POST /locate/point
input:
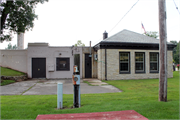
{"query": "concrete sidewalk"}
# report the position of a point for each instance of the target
(49, 87)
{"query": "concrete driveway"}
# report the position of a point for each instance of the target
(49, 87)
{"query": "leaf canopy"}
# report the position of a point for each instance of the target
(18, 17)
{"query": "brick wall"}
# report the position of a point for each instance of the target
(113, 65)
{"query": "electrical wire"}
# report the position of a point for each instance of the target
(124, 16)
(120, 19)
(176, 7)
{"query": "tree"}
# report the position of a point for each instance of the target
(10, 47)
(176, 55)
(17, 16)
(153, 34)
(174, 50)
(79, 43)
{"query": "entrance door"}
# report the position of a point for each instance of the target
(88, 66)
(38, 67)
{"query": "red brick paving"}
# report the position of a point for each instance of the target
(116, 115)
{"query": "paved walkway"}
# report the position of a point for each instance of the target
(49, 87)
(115, 115)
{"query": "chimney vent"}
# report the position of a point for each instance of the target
(105, 35)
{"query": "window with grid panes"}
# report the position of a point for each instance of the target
(139, 62)
(154, 62)
(124, 62)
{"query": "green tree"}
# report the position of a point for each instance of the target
(17, 16)
(176, 56)
(176, 52)
(10, 47)
(79, 43)
(153, 34)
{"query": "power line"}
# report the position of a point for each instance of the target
(176, 7)
(120, 19)
(124, 16)
(97, 41)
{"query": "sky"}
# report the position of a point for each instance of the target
(64, 22)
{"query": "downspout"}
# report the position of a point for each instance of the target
(105, 65)
(90, 48)
(105, 35)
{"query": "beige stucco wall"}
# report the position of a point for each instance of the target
(113, 65)
(51, 53)
(14, 59)
(86, 50)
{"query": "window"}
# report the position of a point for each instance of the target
(140, 62)
(154, 62)
(124, 59)
(62, 64)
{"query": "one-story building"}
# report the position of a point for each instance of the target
(129, 55)
(125, 55)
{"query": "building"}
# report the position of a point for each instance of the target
(129, 55)
(125, 55)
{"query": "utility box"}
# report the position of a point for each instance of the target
(95, 57)
(51, 67)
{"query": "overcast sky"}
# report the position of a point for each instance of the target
(64, 22)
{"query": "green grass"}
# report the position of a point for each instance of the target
(6, 82)
(10, 72)
(138, 95)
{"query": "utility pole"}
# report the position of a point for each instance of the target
(162, 51)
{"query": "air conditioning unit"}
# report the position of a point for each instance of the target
(95, 57)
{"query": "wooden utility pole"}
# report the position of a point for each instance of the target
(162, 51)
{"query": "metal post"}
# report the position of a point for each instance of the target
(59, 95)
(163, 52)
(90, 48)
(76, 86)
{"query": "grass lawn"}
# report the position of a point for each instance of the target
(10, 72)
(6, 82)
(138, 95)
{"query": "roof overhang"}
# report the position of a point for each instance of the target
(129, 45)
